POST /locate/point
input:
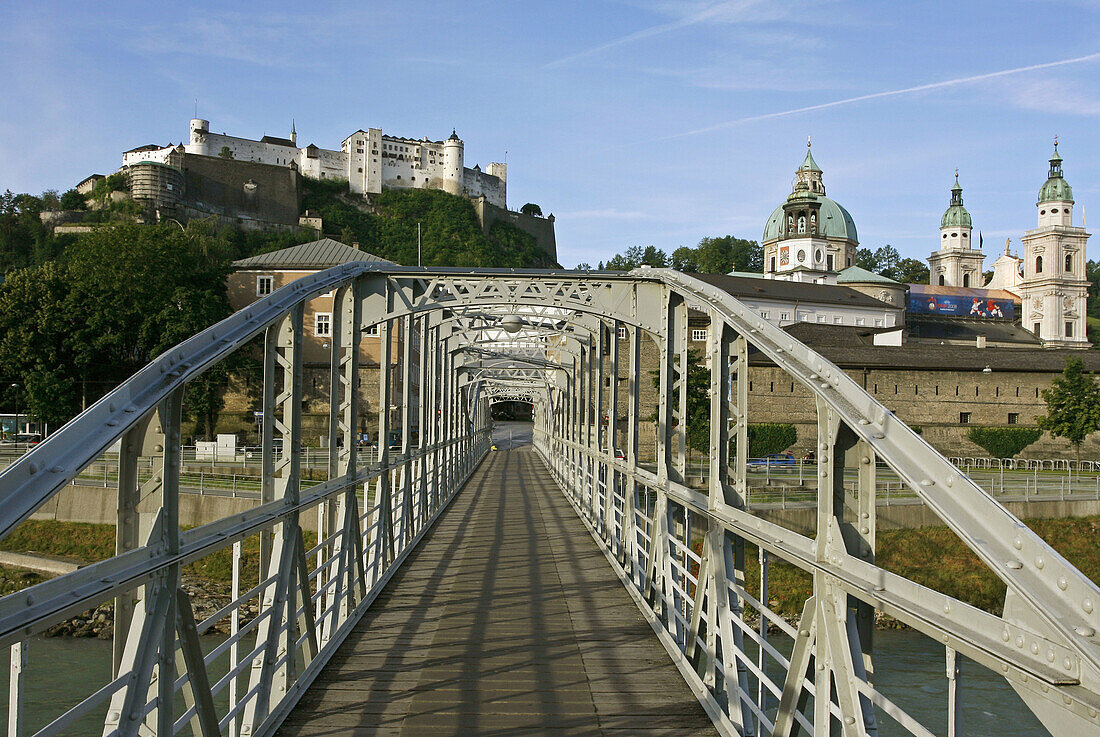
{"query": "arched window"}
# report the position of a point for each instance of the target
(941, 280)
(1038, 264)
(802, 223)
(790, 223)
(813, 222)
(966, 280)
(1069, 264)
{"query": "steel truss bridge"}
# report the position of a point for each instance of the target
(571, 343)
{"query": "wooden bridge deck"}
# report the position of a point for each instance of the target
(507, 620)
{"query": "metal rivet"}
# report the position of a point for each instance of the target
(1084, 630)
(1014, 565)
(1019, 640)
(1017, 543)
(1062, 583)
(1087, 606)
(1039, 562)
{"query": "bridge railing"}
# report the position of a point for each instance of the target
(682, 552)
(305, 562)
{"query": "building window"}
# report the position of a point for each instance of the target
(264, 285)
(1036, 331)
(1069, 329)
(1038, 264)
(622, 333)
(941, 280)
(1014, 418)
(1069, 264)
(698, 334)
(372, 330)
(821, 318)
(837, 320)
(964, 418)
(966, 280)
(878, 323)
(322, 324)
(830, 261)
(860, 321)
(764, 315)
(784, 316)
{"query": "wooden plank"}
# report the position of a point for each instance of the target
(506, 619)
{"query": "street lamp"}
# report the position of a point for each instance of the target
(16, 387)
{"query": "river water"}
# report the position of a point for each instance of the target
(909, 671)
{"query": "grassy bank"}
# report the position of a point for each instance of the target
(931, 556)
(85, 542)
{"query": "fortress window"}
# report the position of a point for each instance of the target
(1014, 418)
(264, 285)
(964, 418)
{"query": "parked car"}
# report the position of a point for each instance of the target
(775, 460)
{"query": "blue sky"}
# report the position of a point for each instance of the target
(634, 122)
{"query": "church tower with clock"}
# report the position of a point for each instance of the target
(1054, 289)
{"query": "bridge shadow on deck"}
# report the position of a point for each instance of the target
(507, 620)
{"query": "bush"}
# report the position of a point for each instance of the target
(771, 437)
(1003, 442)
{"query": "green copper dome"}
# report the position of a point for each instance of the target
(835, 222)
(1055, 188)
(956, 215)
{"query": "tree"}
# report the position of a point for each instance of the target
(531, 209)
(1003, 442)
(697, 432)
(73, 200)
(771, 437)
(583, 266)
(865, 259)
(225, 153)
(1073, 406)
(910, 271)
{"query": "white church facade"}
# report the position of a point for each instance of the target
(367, 159)
(810, 238)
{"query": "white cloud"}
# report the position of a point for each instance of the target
(1054, 96)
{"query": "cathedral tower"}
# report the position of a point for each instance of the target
(809, 237)
(1054, 288)
(957, 263)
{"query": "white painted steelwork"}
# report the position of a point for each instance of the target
(565, 357)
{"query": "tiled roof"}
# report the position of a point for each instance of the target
(857, 275)
(322, 254)
(790, 291)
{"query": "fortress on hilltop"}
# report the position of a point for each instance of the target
(367, 159)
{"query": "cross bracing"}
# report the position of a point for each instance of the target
(468, 339)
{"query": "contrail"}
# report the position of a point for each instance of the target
(691, 20)
(888, 93)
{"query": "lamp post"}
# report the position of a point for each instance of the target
(16, 388)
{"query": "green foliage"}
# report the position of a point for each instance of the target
(531, 209)
(910, 271)
(719, 256)
(1073, 405)
(450, 232)
(636, 256)
(72, 200)
(698, 402)
(119, 297)
(225, 153)
(1003, 442)
(771, 437)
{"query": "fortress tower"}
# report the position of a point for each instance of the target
(453, 166)
(1054, 289)
(957, 263)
